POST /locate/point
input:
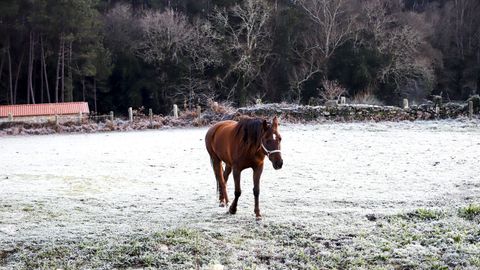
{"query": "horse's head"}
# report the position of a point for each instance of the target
(271, 140)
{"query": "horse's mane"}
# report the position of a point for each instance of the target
(250, 130)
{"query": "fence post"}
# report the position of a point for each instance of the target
(199, 111)
(405, 103)
(10, 117)
(130, 114)
(56, 119)
(343, 100)
(437, 100)
(150, 115)
(175, 110)
(111, 116)
(470, 109)
(80, 116)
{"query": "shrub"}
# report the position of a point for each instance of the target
(366, 97)
(331, 90)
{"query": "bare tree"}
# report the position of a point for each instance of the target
(194, 89)
(331, 25)
(59, 57)
(170, 40)
(44, 69)
(10, 80)
(2, 53)
(267, 80)
(17, 77)
(458, 36)
(332, 90)
(168, 37)
(31, 59)
(248, 39)
(464, 16)
(402, 37)
(122, 29)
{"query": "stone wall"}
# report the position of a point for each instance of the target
(350, 112)
(45, 118)
(288, 112)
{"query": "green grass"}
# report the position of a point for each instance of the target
(470, 212)
(27, 209)
(417, 239)
(424, 214)
(169, 248)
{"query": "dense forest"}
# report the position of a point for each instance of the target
(153, 53)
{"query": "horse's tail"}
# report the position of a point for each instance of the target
(218, 184)
(208, 140)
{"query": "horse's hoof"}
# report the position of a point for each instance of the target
(258, 217)
(232, 211)
(221, 204)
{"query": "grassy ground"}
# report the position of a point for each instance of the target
(351, 196)
(421, 239)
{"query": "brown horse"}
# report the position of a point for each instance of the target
(240, 145)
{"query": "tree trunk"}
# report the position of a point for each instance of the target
(10, 74)
(34, 71)
(83, 88)
(44, 74)
(41, 81)
(1, 69)
(63, 69)
(57, 78)
(17, 77)
(95, 93)
(70, 73)
(30, 70)
(29, 75)
(242, 93)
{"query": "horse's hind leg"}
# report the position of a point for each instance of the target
(226, 173)
(222, 188)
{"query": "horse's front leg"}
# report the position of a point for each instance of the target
(238, 190)
(257, 172)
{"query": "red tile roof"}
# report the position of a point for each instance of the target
(44, 109)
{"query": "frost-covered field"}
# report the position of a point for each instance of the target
(359, 195)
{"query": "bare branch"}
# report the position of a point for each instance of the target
(248, 40)
(332, 24)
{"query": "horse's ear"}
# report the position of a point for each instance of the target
(275, 123)
(265, 125)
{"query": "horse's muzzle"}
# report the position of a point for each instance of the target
(277, 165)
